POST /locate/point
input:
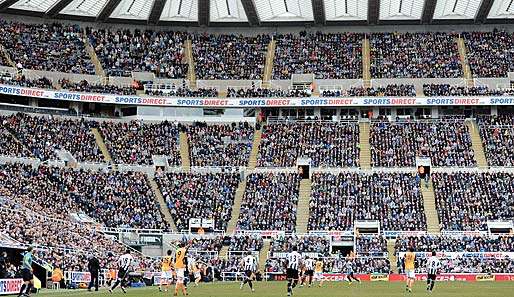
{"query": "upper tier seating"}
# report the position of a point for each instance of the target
(490, 54)
(497, 133)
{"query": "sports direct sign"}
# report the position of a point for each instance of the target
(10, 286)
(254, 102)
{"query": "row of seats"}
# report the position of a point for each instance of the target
(58, 47)
(328, 144)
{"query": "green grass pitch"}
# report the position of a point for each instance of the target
(335, 289)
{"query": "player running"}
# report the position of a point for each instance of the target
(410, 257)
(294, 260)
(250, 266)
(318, 272)
(180, 269)
(27, 273)
(349, 271)
(166, 273)
(309, 270)
(124, 265)
(433, 266)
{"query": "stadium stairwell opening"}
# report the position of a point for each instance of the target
(430, 208)
(236, 207)
(162, 203)
(302, 216)
(184, 151)
(477, 143)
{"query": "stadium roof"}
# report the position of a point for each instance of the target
(267, 12)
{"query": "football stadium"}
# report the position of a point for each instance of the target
(262, 148)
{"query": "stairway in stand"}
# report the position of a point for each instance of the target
(162, 204)
(263, 254)
(236, 208)
(303, 211)
(430, 207)
(365, 153)
(268, 67)
(191, 73)
(252, 162)
(366, 63)
(101, 144)
(476, 143)
(468, 75)
(5, 53)
(99, 70)
(392, 255)
(184, 151)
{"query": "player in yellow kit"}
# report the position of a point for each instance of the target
(318, 272)
(166, 275)
(410, 257)
(180, 269)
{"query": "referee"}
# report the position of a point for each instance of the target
(433, 266)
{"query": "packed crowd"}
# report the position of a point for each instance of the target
(114, 199)
(22, 81)
(497, 133)
(266, 193)
(448, 243)
(255, 92)
(183, 91)
(389, 90)
(136, 142)
(59, 243)
(392, 198)
(246, 243)
(8, 144)
(397, 144)
(51, 47)
(220, 144)
(370, 245)
(326, 55)
(230, 56)
(466, 201)
(418, 55)
(452, 90)
(326, 144)
(490, 54)
(196, 195)
(124, 51)
(86, 87)
(470, 265)
(44, 135)
(360, 265)
(305, 244)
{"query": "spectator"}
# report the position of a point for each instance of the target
(326, 144)
(389, 90)
(414, 55)
(265, 193)
(449, 90)
(85, 87)
(326, 55)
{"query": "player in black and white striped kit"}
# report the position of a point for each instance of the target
(294, 260)
(433, 266)
(309, 271)
(124, 264)
(250, 266)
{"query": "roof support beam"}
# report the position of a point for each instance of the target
(373, 11)
(318, 7)
(428, 11)
(4, 5)
(483, 11)
(155, 14)
(54, 10)
(251, 12)
(107, 10)
(204, 12)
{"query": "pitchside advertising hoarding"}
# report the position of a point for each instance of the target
(10, 286)
(379, 277)
(254, 102)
